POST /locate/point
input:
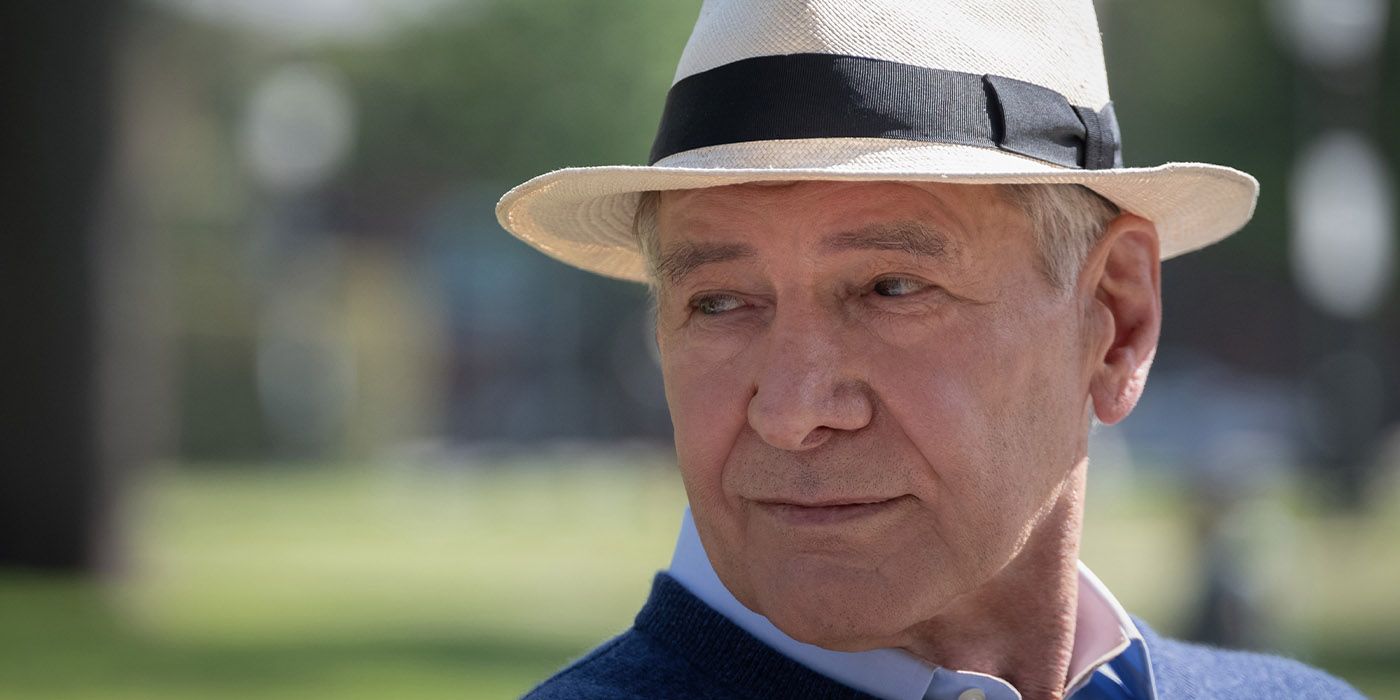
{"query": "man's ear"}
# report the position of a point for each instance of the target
(1121, 283)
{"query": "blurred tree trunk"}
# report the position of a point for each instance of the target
(56, 69)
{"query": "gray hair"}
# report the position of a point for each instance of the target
(1068, 221)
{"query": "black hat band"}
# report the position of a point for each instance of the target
(806, 96)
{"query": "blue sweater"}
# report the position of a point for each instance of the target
(681, 648)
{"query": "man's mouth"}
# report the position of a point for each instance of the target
(827, 512)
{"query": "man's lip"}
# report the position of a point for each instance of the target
(825, 503)
(827, 512)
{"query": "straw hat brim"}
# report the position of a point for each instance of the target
(584, 216)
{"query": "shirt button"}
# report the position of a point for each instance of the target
(972, 694)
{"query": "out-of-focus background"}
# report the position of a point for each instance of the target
(286, 415)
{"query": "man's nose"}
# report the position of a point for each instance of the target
(807, 388)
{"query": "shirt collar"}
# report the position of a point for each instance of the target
(1103, 631)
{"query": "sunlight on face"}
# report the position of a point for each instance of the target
(875, 394)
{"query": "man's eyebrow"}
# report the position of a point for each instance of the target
(910, 237)
(675, 264)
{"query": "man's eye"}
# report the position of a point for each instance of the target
(897, 286)
(716, 304)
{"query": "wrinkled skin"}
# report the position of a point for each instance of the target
(881, 406)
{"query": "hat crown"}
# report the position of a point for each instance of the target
(1051, 43)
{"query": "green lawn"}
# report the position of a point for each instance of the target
(299, 582)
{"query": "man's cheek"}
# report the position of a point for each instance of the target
(709, 421)
(709, 398)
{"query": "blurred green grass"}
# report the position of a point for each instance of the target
(311, 581)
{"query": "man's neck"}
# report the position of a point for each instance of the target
(1019, 625)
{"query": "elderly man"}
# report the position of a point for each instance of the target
(899, 270)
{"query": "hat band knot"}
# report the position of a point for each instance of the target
(803, 96)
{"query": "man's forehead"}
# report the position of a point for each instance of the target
(956, 205)
(934, 220)
(930, 222)
(907, 236)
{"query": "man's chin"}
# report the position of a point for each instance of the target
(841, 616)
(837, 630)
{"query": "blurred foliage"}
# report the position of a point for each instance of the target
(1207, 82)
(448, 113)
(508, 90)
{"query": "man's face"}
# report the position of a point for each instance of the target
(876, 394)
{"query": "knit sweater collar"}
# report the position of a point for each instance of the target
(675, 618)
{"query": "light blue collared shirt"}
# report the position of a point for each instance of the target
(1109, 660)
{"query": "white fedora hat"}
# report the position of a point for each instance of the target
(959, 91)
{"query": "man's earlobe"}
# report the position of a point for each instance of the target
(1124, 269)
